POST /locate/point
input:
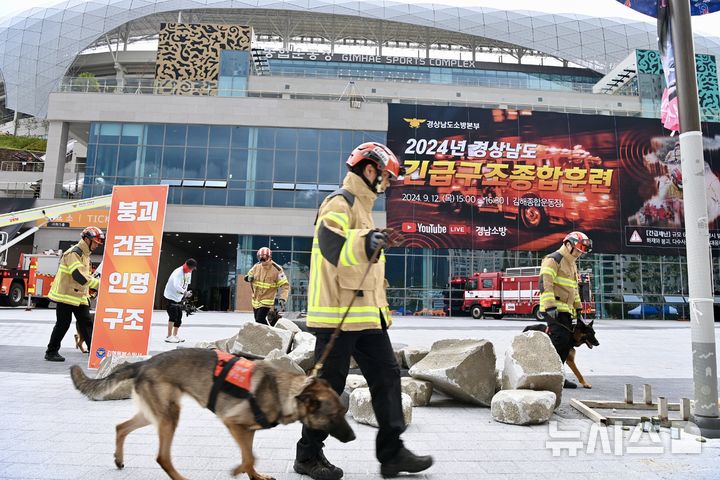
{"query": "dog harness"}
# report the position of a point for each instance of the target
(232, 375)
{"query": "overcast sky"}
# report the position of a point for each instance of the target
(604, 8)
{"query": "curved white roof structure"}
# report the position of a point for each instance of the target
(38, 46)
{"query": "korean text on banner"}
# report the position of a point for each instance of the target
(127, 288)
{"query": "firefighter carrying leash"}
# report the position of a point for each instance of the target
(394, 239)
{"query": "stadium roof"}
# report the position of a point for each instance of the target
(38, 46)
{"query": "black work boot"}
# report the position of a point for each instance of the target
(405, 461)
(54, 357)
(318, 468)
(569, 384)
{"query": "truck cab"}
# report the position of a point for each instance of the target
(483, 295)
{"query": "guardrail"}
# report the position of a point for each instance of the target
(201, 88)
(21, 166)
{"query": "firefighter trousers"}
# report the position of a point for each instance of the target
(261, 314)
(561, 334)
(63, 319)
(373, 352)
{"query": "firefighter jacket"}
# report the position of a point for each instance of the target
(559, 282)
(74, 279)
(267, 280)
(339, 261)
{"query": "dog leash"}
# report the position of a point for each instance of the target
(336, 333)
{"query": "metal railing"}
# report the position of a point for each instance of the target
(199, 88)
(21, 166)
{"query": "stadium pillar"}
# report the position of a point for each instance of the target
(697, 234)
(55, 154)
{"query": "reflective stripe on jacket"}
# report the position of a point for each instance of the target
(559, 282)
(65, 288)
(339, 260)
(267, 280)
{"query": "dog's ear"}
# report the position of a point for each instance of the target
(308, 395)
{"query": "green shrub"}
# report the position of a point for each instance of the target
(34, 144)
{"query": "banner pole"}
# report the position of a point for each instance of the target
(697, 234)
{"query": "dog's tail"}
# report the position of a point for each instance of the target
(540, 327)
(98, 388)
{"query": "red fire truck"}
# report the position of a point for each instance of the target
(514, 292)
(35, 272)
(33, 276)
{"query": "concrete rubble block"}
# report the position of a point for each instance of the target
(112, 363)
(399, 356)
(412, 355)
(522, 407)
(289, 325)
(255, 340)
(419, 391)
(461, 368)
(282, 361)
(303, 350)
(355, 381)
(362, 411)
(531, 363)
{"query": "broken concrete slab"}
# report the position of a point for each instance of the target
(419, 391)
(283, 361)
(461, 368)
(303, 350)
(522, 407)
(412, 355)
(255, 340)
(354, 381)
(532, 363)
(362, 411)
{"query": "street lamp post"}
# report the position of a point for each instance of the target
(697, 234)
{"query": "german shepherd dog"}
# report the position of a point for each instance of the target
(584, 334)
(159, 383)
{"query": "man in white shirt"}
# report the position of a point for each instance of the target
(176, 290)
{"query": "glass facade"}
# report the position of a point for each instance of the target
(222, 164)
(623, 286)
(433, 75)
(284, 167)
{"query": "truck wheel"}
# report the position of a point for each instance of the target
(476, 311)
(16, 294)
(532, 217)
(537, 314)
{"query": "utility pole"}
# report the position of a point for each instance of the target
(697, 234)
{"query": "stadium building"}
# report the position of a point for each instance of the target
(248, 110)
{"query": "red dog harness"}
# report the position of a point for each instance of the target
(233, 375)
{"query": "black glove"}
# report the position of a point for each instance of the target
(282, 304)
(551, 314)
(579, 315)
(373, 241)
(249, 278)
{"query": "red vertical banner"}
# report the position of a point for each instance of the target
(129, 275)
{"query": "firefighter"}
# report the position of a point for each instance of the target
(346, 245)
(560, 297)
(71, 291)
(266, 278)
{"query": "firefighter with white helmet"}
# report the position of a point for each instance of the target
(71, 291)
(347, 274)
(559, 294)
(266, 279)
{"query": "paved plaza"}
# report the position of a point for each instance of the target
(48, 430)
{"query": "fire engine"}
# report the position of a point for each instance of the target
(35, 272)
(514, 292)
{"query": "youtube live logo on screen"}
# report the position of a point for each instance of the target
(414, 227)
